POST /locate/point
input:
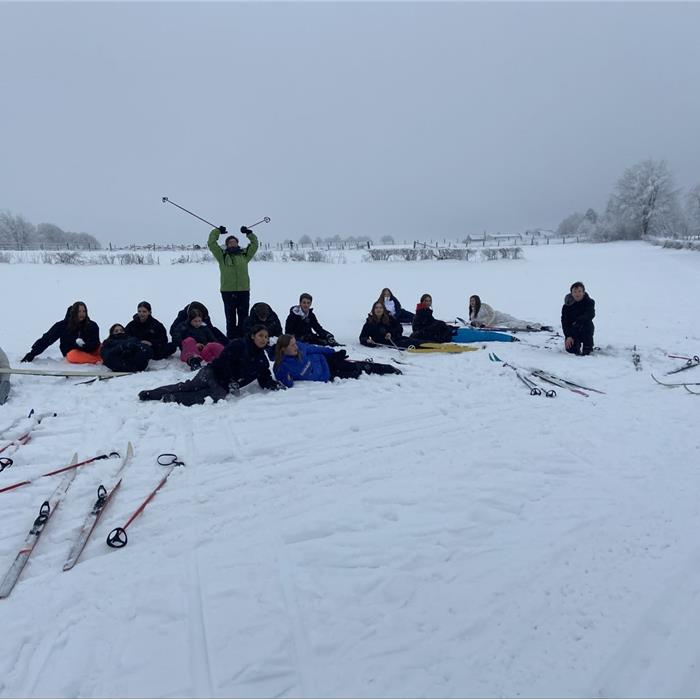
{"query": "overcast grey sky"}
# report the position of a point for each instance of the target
(413, 119)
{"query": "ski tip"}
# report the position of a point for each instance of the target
(129, 450)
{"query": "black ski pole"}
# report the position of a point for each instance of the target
(264, 220)
(191, 213)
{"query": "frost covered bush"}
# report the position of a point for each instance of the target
(316, 256)
(5, 258)
(264, 256)
(203, 257)
(296, 256)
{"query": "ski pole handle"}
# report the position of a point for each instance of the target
(5, 462)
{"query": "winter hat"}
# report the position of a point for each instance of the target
(228, 238)
(145, 305)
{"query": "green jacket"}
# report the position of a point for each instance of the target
(234, 268)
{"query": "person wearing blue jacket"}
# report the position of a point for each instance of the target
(298, 361)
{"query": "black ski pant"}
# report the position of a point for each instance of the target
(160, 352)
(236, 306)
(190, 392)
(352, 369)
(583, 340)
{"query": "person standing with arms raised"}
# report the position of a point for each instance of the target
(235, 281)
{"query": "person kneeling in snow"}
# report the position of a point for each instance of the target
(303, 362)
(242, 361)
(303, 324)
(577, 316)
(124, 353)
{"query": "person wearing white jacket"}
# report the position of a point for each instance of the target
(484, 316)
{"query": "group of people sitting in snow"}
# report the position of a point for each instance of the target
(304, 351)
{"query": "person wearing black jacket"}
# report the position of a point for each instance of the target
(79, 337)
(124, 353)
(303, 324)
(242, 361)
(577, 316)
(381, 329)
(149, 330)
(261, 314)
(182, 318)
(428, 328)
(393, 307)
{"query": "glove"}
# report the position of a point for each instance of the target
(234, 387)
(80, 342)
(341, 354)
(28, 357)
(223, 230)
(276, 386)
(246, 230)
(331, 341)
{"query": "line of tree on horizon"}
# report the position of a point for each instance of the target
(645, 203)
(17, 233)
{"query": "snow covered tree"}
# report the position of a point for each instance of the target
(569, 225)
(692, 211)
(644, 203)
(16, 231)
(387, 240)
(50, 236)
(305, 240)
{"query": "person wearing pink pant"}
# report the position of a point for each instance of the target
(198, 342)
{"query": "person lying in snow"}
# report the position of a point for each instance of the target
(429, 329)
(151, 331)
(242, 361)
(303, 324)
(577, 316)
(79, 337)
(298, 361)
(198, 341)
(484, 316)
(124, 353)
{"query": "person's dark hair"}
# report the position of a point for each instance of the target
(261, 306)
(73, 321)
(193, 313)
(424, 297)
(305, 295)
(280, 346)
(381, 294)
(256, 329)
(473, 313)
(384, 320)
(230, 238)
(114, 325)
(577, 284)
(145, 305)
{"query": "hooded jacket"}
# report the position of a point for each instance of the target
(577, 316)
(124, 353)
(233, 268)
(271, 322)
(304, 327)
(181, 318)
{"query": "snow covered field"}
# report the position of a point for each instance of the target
(441, 533)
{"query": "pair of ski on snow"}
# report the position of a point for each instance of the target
(690, 362)
(117, 538)
(528, 376)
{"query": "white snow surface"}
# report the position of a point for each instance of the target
(441, 533)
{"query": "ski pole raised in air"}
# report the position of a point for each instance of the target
(117, 538)
(264, 220)
(191, 213)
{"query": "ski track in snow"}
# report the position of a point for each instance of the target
(440, 533)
